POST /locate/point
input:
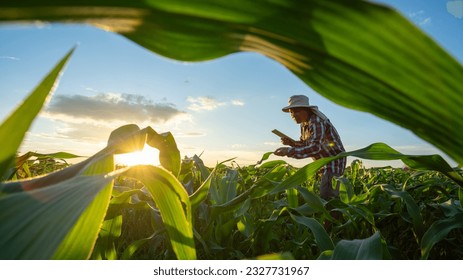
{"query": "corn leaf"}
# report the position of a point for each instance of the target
(109, 232)
(134, 246)
(376, 151)
(322, 238)
(174, 204)
(13, 129)
(438, 231)
(77, 245)
(412, 208)
(276, 256)
(358, 54)
(66, 203)
(34, 223)
(369, 248)
(169, 155)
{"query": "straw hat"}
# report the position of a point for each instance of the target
(297, 101)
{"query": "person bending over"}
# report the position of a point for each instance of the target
(319, 139)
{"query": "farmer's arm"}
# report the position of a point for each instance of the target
(312, 146)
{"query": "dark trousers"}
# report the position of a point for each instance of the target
(326, 186)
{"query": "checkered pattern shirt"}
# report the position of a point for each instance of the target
(320, 139)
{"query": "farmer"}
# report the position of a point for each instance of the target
(318, 139)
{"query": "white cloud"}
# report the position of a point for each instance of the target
(237, 102)
(455, 8)
(272, 144)
(206, 103)
(419, 17)
(110, 107)
(9, 57)
(92, 118)
(190, 134)
(203, 103)
(238, 146)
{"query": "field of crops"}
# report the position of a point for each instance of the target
(239, 212)
(392, 212)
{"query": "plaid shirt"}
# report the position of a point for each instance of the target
(320, 139)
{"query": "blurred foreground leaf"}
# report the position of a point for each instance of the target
(361, 55)
(13, 129)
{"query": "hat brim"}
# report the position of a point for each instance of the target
(286, 109)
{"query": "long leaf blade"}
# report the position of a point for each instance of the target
(173, 203)
(322, 238)
(376, 151)
(13, 129)
(35, 223)
(438, 231)
(379, 67)
(359, 249)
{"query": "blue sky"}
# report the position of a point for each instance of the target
(222, 108)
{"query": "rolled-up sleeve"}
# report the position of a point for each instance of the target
(313, 144)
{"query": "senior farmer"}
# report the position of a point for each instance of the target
(319, 139)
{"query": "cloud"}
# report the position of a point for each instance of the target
(238, 146)
(455, 8)
(111, 107)
(420, 18)
(206, 103)
(189, 134)
(9, 57)
(85, 131)
(272, 144)
(203, 103)
(237, 102)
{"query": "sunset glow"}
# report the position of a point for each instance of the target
(148, 155)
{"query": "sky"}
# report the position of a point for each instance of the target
(221, 109)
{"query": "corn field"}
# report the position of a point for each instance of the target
(183, 209)
(386, 213)
(235, 212)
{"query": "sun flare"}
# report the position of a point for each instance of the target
(148, 155)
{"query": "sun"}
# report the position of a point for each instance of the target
(148, 155)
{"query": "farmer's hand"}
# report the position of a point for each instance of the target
(287, 141)
(283, 151)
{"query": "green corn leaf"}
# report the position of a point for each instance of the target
(370, 248)
(21, 160)
(169, 155)
(66, 203)
(173, 203)
(276, 256)
(13, 129)
(385, 65)
(312, 199)
(376, 151)
(35, 223)
(105, 248)
(134, 246)
(438, 231)
(202, 168)
(322, 238)
(77, 245)
(127, 138)
(201, 193)
(412, 208)
(291, 197)
(265, 157)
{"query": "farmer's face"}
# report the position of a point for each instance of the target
(299, 115)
